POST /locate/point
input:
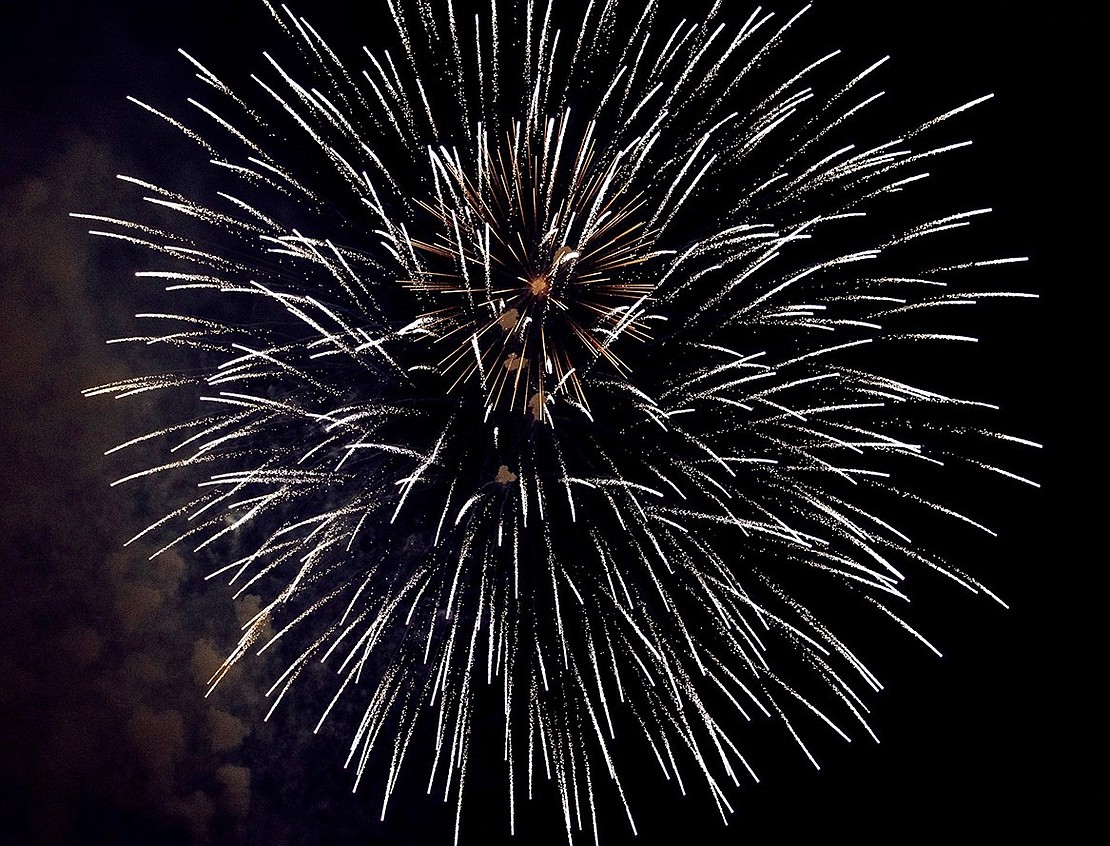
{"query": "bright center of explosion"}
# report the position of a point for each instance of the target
(540, 286)
(536, 252)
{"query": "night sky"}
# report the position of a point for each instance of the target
(105, 736)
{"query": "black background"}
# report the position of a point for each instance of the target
(100, 652)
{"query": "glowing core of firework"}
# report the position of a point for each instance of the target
(544, 244)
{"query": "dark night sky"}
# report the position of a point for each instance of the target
(104, 734)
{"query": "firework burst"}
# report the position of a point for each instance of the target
(539, 374)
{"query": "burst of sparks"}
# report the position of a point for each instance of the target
(526, 430)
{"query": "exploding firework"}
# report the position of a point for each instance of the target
(542, 374)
